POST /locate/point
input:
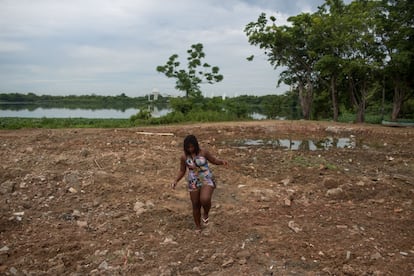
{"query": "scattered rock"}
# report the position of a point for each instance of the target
(360, 183)
(243, 254)
(82, 224)
(294, 227)
(334, 192)
(348, 255)
(376, 256)
(103, 266)
(285, 181)
(71, 179)
(332, 129)
(13, 271)
(76, 214)
(228, 263)
(7, 187)
(348, 270)
(139, 208)
(287, 202)
(168, 240)
(84, 153)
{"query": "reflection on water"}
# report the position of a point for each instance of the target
(288, 144)
(79, 113)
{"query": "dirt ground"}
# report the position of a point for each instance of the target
(298, 198)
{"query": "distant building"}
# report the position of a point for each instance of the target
(153, 96)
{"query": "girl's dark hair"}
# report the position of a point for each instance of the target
(191, 140)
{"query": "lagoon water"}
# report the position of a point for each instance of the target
(89, 113)
(77, 113)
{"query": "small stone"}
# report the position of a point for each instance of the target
(243, 254)
(149, 204)
(103, 266)
(82, 224)
(7, 187)
(287, 202)
(4, 249)
(376, 256)
(242, 261)
(403, 253)
(334, 192)
(360, 183)
(342, 226)
(348, 255)
(71, 179)
(139, 208)
(285, 181)
(169, 240)
(13, 270)
(348, 270)
(197, 270)
(72, 190)
(18, 214)
(292, 225)
(84, 152)
(228, 263)
(76, 213)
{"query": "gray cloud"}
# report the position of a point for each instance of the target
(110, 47)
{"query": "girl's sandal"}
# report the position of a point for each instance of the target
(205, 220)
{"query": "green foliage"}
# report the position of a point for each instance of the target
(18, 123)
(143, 114)
(341, 54)
(17, 101)
(189, 80)
(182, 105)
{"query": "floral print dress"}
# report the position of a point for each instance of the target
(199, 173)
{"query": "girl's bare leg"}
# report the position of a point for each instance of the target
(195, 201)
(206, 192)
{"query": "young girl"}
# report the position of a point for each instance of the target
(201, 183)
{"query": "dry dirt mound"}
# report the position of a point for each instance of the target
(299, 198)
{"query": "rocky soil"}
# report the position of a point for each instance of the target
(298, 198)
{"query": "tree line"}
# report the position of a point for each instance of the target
(351, 56)
(18, 101)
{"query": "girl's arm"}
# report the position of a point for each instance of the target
(213, 159)
(181, 172)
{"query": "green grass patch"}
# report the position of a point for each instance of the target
(19, 123)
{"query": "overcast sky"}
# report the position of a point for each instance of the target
(109, 47)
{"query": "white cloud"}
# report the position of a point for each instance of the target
(107, 46)
(10, 46)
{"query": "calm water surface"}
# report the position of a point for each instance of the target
(78, 113)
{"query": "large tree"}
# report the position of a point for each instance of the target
(292, 48)
(189, 80)
(329, 31)
(396, 29)
(362, 55)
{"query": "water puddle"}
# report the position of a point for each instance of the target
(288, 144)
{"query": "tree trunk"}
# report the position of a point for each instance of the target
(334, 99)
(306, 98)
(358, 102)
(361, 112)
(362, 104)
(397, 102)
